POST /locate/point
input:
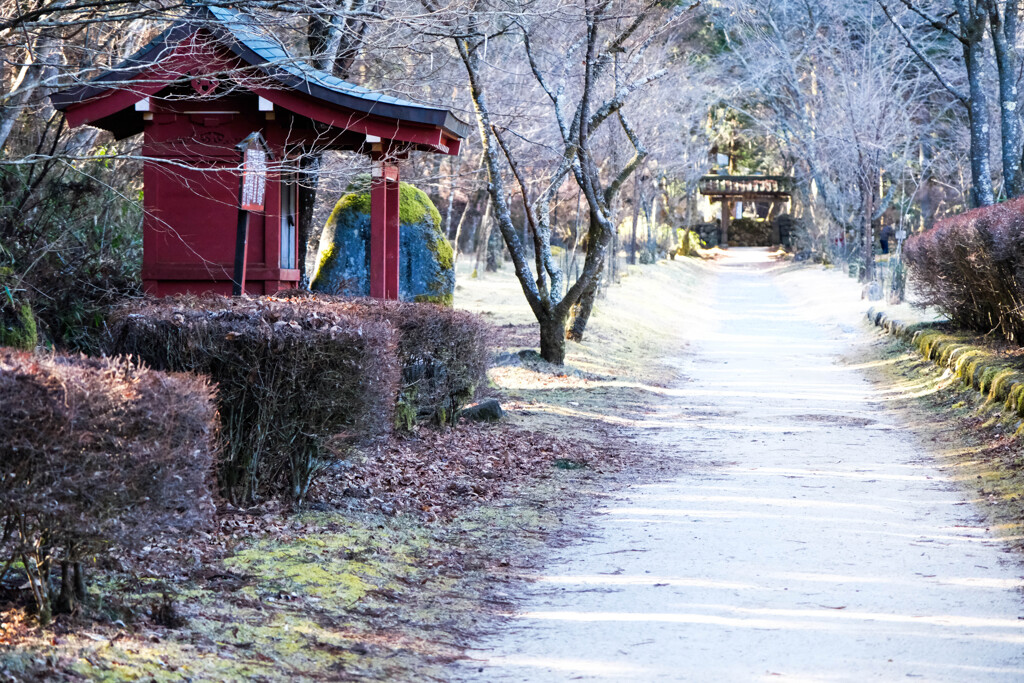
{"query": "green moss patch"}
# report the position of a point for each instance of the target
(998, 376)
(18, 328)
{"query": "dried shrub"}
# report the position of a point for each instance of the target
(443, 353)
(97, 455)
(971, 267)
(299, 380)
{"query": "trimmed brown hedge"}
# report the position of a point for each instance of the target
(299, 381)
(97, 454)
(443, 353)
(971, 267)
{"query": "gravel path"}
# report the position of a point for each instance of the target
(811, 540)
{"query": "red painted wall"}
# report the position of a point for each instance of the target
(191, 198)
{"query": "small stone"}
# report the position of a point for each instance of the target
(488, 410)
(530, 356)
(505, 358)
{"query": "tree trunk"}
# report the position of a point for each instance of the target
(636, 216)
(723, 237)
(482, 234)
(581, 312)
(982, 193)
(67, 600)
(79, 581)
(1004, 41)
(39, 583)
(552, 339)
(309, 181)
(867, 234)
(451, 205)
(494, 247)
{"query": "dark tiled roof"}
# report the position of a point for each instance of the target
(255, 44)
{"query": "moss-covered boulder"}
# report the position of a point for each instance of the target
(18, 326)
(427, 269)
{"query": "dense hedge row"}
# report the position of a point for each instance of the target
(297, 381)
(971, 267)
(96, 454)
(302, 378)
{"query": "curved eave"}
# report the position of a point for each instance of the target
(428, 116)
(128, 70)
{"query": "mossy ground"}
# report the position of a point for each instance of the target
(347, 597)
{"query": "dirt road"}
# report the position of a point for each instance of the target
(811, 539)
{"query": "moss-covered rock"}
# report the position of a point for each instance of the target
(18, 327)
(999, 379)
(426, 259)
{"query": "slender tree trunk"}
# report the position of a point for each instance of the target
(472, 209)
(40, 59)
(483, 233)
(79, 581)
(494, 246)
(1004, 41)
(636, 215)
(39, 583)
(67, 602)
(309, 181)
(867, 234)
(982, 193)
(597, 248)
(451, 204)
(581, 312)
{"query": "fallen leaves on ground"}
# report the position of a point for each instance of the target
(436, 472)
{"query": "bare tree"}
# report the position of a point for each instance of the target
(578, 66)
(972, 24)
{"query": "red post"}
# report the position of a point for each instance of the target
(378, 231)
(393, 232)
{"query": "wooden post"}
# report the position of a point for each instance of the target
(241, 251)
(378, 231)
(723, 237)
(392, 256)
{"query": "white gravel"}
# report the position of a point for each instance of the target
(813, 538)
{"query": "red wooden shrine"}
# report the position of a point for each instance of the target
(205, 84)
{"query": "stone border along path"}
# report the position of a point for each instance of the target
(812, 538)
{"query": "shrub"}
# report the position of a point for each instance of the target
(689, 242)
(971, 267)
(73, 233)
(300, 381)
(95, 455)
(443, 354)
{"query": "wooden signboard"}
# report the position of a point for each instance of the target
(251, 191)
(254, 176)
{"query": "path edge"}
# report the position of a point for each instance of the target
(999, 381)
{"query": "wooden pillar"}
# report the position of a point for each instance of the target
(378, 230)
(723, 237)
(392, 254)
(384, 230)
